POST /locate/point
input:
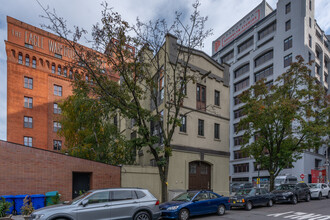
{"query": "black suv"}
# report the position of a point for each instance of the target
(292, 193)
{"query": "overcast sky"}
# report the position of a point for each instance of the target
(222, 15)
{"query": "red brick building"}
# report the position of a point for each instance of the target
(37, 80)
(29, 170)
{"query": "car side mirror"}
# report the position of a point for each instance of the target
(84, 203)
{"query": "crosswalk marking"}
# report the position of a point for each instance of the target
(300, 216)
(279, 214)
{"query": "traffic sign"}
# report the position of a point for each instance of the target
(302, 176)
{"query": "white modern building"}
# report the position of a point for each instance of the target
(262, 45)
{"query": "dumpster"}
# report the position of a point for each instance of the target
(19, 203)
(10, 199)
(50, 197)
(38, 201)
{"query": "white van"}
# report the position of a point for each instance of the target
(285, 179)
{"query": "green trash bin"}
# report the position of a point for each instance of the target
(50, 197)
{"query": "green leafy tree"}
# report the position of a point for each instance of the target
(139, 55)
(285, 119)
(90, 131)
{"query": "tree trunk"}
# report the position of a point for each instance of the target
(164, 190)
(271, 181)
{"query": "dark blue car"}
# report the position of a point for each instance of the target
(194, 203)
(248, 198)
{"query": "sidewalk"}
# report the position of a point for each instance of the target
(17, 217)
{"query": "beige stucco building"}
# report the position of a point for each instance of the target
(200, 156)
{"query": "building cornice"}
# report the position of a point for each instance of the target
(207, 113)
(200, 150)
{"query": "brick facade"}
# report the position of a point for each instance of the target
(47, 50)
(28, 170)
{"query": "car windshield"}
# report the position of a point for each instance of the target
(244, 192)
(314, 186)
(285, 187)
(77, 199)
(279, 181)
(187, 196)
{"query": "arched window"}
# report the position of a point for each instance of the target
(59, 70)
(65, 72)
(41, 62)
(20, 58)
(34, 62)
(27, 60)
(53, 68)
(47, 63)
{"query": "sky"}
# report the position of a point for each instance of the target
(222, 14)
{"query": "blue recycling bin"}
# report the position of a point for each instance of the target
(10, 199)
(38, 201)
(19, 203)
(50, 196)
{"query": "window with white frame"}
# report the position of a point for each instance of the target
(28, 102)
(57, 126)
(57, 145)
(28, 122)
(57, 90)
(57, 109)
(28, 141)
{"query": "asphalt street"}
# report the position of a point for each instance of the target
(313, 210)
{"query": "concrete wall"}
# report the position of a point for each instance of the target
(26, 170)
(143, 177)
(179, 178)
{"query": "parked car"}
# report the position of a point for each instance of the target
(248, 198)
(319, 190)
(265, 186)
(292, 193)
(239, 186)
(286, 179)
(193, 203)
(119, 203)
(234, 187)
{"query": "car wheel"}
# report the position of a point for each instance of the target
(221, 210)
(270, 203)
(308, 197)
(320, 196)
(142, 216)
(328, 195)
(294, 199)
(183, 214)
(248, 206)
